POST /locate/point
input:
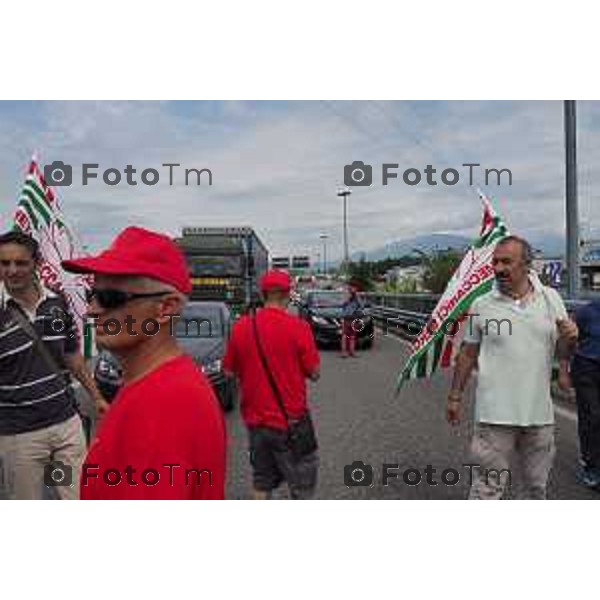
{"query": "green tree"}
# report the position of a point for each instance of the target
(407, 285)
(361, 274)
(439, 268)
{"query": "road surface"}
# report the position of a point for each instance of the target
(358, 417)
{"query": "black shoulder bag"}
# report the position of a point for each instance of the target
(302, 439)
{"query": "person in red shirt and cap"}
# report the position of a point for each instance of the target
(164, 435)
(272, 353)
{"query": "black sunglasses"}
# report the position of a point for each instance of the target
(110, 299)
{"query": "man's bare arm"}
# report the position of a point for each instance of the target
(567, 340)
(465, 363)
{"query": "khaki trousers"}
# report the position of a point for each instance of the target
(492, 448)
(29, 462)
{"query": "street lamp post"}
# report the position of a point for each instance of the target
(324, 237)
(344, 192)
(571, 200)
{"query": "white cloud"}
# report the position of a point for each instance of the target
(276, 165)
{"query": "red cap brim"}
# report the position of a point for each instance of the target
(102, 266)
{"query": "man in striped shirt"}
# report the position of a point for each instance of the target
(41, 437)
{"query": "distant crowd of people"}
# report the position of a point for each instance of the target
(164, 436)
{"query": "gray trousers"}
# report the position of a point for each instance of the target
(25, 460)
(492, 448)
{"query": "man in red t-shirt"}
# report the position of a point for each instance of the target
(163, 436)
(291, 355)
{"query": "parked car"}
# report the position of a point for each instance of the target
(108, 375)
(206, 344)
(202, 331)
(322, 309)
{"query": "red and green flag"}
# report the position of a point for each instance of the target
(39, 214)
(436, 344)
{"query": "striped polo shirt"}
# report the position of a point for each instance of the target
(32, 395)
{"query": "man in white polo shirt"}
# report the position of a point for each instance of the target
(512, 336)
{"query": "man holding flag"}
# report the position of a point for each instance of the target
(514, 409)
(41, 325)
(511, 336)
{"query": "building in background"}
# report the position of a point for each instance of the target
(280, 262)
(551, 270)
(405, 277)
(590, 269)
(300, 263)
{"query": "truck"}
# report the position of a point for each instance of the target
(225, 264)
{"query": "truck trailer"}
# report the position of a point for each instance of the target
(225, 264)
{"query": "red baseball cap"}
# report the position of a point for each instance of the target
(138, 251)
(275, 279)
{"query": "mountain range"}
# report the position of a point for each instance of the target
(550, 245)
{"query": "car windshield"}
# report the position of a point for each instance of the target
(200, 321)
(331, 299)
(215, 266)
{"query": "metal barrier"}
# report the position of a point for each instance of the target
(405, 323)
(420, 306)
(419, 303)
(408, 324)
(386, 311)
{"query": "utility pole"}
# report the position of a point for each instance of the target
(324, 237)
(571, 199)
(344, 192)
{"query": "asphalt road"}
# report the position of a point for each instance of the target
(358, 417)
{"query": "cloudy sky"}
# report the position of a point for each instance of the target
(276, 166)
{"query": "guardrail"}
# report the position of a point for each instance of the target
(405, 323)
(419, 303)
(409, 323)
(425, 303)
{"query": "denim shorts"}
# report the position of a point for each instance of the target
(272, 463)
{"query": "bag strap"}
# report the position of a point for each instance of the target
(551, 310)
(38, 344)
(270, 377)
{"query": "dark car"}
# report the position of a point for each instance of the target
(202, 331)
(108, 375)
(323, 310)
